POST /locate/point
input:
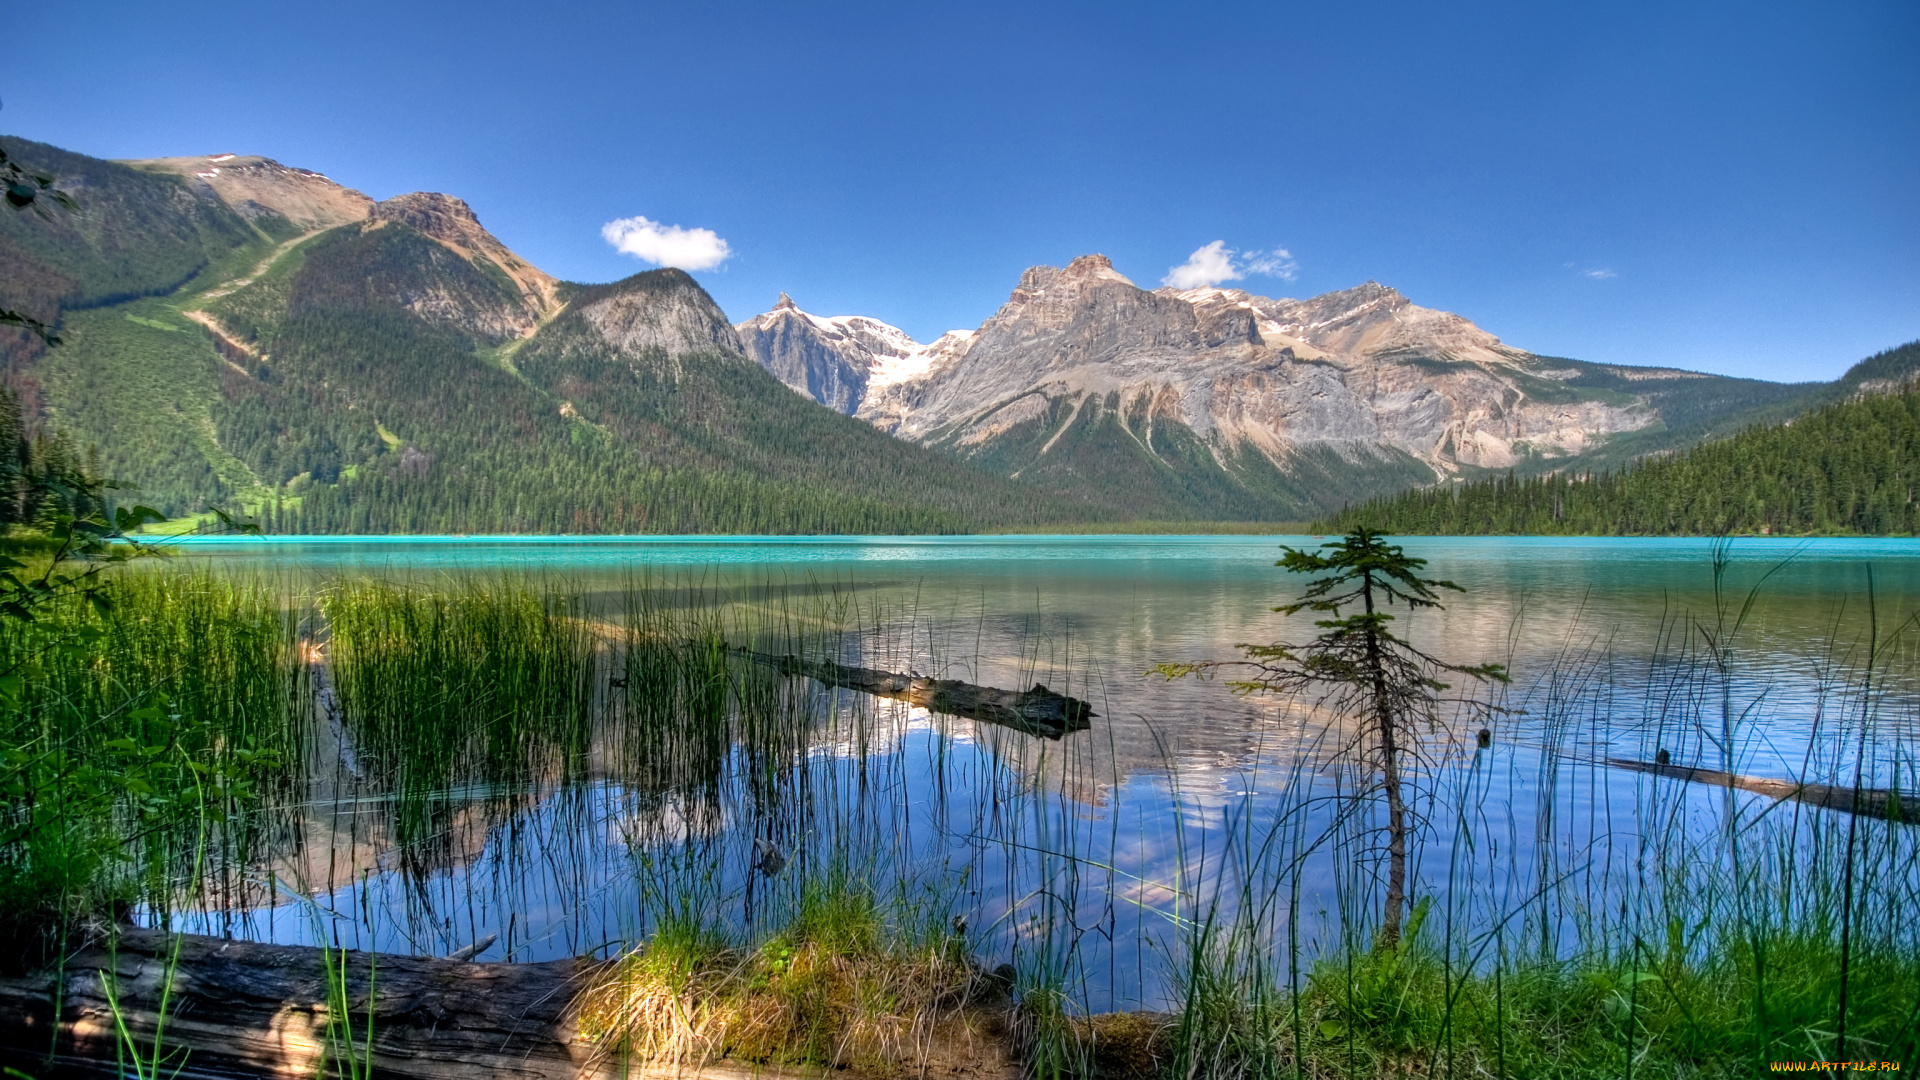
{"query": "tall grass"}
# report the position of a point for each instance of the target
(486, 683)
(126, 732)
(1644, 928)
(612, 765)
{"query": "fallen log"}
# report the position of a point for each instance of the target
(1870, 802)
(1038, 711)
(236, 1010)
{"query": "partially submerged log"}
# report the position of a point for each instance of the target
(1871, 802)
(1038, 711)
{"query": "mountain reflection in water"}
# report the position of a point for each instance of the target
(1115, 830)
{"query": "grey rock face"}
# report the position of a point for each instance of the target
(828, 360)
(660, 312)
(461, 275)
(1362, 370)
(452, 223)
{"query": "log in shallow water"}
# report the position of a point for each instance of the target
(1871, 802)
(1038, 711)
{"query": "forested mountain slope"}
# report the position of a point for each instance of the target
(403, 371)
(1851, 467)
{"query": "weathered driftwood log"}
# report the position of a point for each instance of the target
(236, 1009)
(1038, 711)
(1872, 802)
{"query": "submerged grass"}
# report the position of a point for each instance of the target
(1680, 931)
(439, 689)
(487, 677)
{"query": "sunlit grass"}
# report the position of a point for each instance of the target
(129, 732)
(837, 984)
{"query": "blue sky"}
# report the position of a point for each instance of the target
(1728, 187)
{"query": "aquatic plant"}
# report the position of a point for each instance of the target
(123, 728)
(616, 762)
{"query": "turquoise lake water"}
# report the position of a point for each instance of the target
(1098, 611)
(1602, 636)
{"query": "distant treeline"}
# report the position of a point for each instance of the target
(1849, 469)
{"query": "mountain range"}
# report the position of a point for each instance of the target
(244, 334)
(1203, 401)
(241, 333)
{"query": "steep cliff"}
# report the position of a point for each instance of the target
(836, 362)
(1224, 398)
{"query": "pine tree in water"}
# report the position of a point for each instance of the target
(1358, 669)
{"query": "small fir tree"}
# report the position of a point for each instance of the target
(1358, 668)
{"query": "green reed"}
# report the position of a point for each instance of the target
(487, 682)
(1560, 930)
(1685, 933)
(129, 727)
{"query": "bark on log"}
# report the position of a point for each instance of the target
(1038, 711)
(1871, 802)
(237, 1009)
(242, 1010)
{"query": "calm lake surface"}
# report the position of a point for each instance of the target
(1605, 640)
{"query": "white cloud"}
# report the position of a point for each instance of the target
(1214, 263)
(1276, 263)
(666, 245)
(1210, 265)
(1600, 274)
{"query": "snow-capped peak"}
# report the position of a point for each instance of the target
(917, 362)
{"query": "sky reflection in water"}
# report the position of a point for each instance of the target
(1596, 631)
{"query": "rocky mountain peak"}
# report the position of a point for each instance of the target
(1370, 291)
(658, 309)
(257, 186)
(1369, 295)
(1095, 266)
(831, 360)
(453, 224)
(1372, 319)
(1088, 305)
(1083, 272)
(442, 217)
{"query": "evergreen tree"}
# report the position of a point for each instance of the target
(1359, 669)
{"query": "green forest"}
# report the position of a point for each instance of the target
(1849, 468)
(335, 400)
(372, 379)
